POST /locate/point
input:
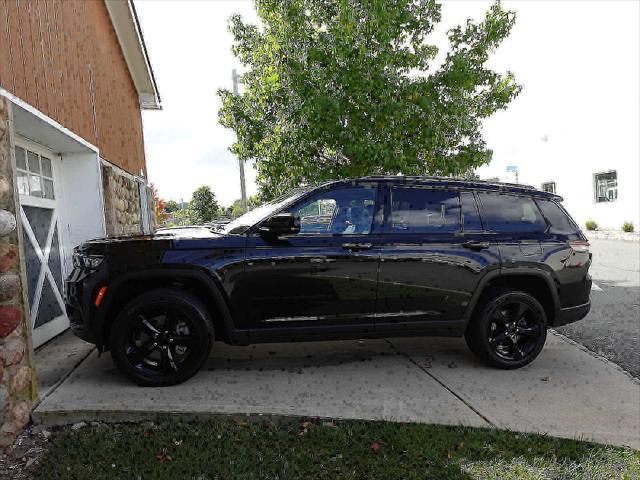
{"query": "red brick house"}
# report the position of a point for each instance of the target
(74, 77)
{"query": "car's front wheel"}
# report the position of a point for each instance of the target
(508, 329)
(162, 337)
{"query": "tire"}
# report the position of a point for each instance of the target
(504, 336)
(161, 338)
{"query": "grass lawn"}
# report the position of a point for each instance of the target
(234, 449)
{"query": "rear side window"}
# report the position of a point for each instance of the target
(510, 213)
(560, 222)
(421, 210)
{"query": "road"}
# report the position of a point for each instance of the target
(612, 328)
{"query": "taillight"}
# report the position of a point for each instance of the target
(581, 246)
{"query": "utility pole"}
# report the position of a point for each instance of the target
(243, 187)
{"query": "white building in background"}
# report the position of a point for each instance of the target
(575, 127)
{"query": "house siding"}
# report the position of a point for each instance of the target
(63, 58)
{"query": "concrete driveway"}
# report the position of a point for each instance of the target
(566, 392)
(612, 328)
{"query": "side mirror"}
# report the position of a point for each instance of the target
(281, 224)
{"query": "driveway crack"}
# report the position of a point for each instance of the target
(471, 407)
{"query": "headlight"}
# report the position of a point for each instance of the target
(87, 262)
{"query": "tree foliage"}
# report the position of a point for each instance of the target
(203, 206)
(159, 205)
(171, 206)
(235, 209)
(342, 88)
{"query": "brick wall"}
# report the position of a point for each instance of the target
(64, 58)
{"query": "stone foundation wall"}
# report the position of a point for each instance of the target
(121, 203)
(17, 372)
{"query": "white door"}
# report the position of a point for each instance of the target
(38, 189)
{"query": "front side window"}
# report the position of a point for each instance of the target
(510, 213)
(422, 210)
(606, 187)
(549, 187)
(34, 174)
(340, 211)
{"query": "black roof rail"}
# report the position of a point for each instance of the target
(448, 179)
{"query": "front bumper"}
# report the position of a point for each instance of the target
(81, 289)
(572, 314)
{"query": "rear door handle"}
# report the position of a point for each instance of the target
(357, 246)
(476, 245)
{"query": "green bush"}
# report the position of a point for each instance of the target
(627, 227)
(591, 225)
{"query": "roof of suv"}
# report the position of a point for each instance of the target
(461, 183)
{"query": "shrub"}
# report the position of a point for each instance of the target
(627, 227)
(591, 225)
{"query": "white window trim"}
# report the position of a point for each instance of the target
(595, 186)
(550, 182)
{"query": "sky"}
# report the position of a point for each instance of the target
(563, 52)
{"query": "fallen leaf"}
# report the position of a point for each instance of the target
(147, 433)
(163, 457)
(240, 422)
(545, 379)
(305, 424)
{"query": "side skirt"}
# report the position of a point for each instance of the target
(284, 334)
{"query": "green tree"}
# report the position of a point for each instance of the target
(235, 209)
(345, 88)
(203, 206)
(171, 206)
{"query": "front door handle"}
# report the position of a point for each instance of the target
(476, 245)
(357, 246)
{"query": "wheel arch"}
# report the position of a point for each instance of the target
(133, 284)
(538, 283)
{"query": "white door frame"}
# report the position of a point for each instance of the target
(59, 324)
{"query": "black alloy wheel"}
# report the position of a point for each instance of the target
(514, 330)
(509, 329)
(162, 337)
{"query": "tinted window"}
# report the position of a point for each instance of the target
(559, 220)
(510, 213)
(470, 217)
(420, 210)
(340, 211)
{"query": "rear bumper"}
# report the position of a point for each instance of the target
(572, 314)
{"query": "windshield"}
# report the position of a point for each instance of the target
(246, 221)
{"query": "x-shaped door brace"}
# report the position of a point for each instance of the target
(45, 271)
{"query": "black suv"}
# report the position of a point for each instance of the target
(364, 258)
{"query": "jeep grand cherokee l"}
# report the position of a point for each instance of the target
(364, 258)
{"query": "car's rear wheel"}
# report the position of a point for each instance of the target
(508, 329)
(162, 337)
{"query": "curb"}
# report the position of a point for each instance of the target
(613, 235)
